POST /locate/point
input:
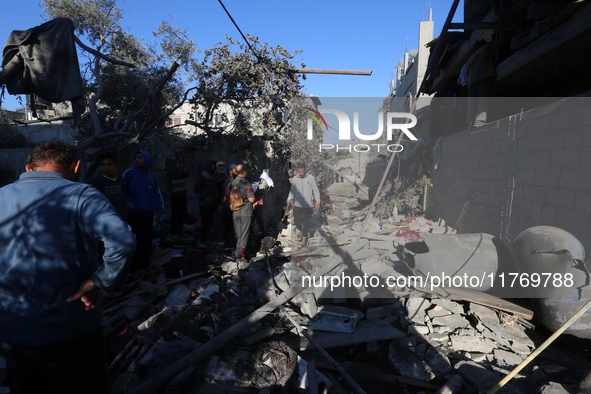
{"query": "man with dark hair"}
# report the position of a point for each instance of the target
(305, 197)
(141, 191)
(176, 173)
(242, 216)
(51, 284)
(110, 183)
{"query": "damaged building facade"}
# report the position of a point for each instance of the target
(529, 164)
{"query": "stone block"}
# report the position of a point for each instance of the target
(470, 344)
(507, 358)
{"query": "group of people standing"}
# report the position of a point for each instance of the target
(53, 274)
(53, 269)
(136, 197)
(138, 200)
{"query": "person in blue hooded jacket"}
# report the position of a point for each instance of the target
(141, 191)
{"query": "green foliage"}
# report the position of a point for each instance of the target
(248, 91)
(95, 19)
(231, 74)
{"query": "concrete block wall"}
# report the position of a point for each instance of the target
(522, 171)
(40, 132)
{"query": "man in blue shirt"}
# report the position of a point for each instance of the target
(51, 283)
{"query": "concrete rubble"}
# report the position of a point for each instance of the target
(403, 339)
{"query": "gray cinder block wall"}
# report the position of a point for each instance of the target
(525, 170)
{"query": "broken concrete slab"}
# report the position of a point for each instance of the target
(451, 321)
(451, 306)
(439, 337)
(385, 245)
(471, 344)
(437, 360)
(334, 319)
(415, 309)
(556, 388)
(452, 386)
(482, 379)
(438, 311)
(379, 312)
(408, 365)
(418, 329)
(505, 358)
(366, 331)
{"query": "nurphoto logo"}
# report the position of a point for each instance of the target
(394, 121)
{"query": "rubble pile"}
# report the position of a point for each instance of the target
(257, 327)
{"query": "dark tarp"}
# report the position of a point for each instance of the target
(43, 61)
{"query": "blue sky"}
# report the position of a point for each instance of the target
(332, 34)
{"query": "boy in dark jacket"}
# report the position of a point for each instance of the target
(141, 191)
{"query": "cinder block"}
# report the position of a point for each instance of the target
(550, 141)
(575, 178)
(571, 116)
(537, 159)
(561, 197)
(550, 177)
(565, 158)
(582, 201)
(585, 159)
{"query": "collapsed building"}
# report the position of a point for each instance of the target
(200, 322)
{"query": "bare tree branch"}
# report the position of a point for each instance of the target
(102, 56)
